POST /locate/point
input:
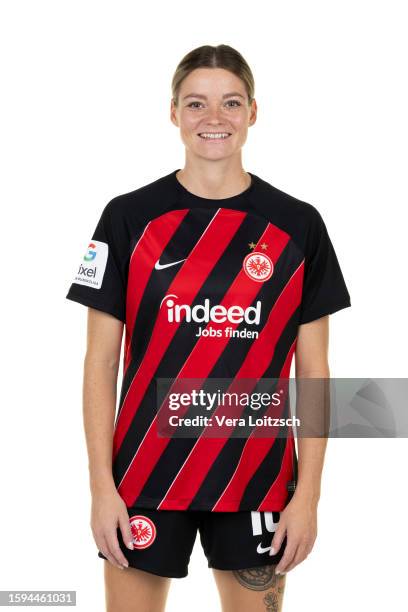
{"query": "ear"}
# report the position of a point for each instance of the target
(253, 114)
(173, 113)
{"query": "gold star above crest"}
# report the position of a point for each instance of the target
(252, 245)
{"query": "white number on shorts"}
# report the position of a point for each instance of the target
(257, 522)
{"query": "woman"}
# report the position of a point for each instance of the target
(216, 274)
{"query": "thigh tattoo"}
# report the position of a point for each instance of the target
(272, 603)
(259, 578)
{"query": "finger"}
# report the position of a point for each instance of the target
(114, 548)
(277, 540)
(299, 557)
(126, 530)
(103, 547)
(287, 558)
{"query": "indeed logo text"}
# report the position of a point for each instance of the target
(203, 313)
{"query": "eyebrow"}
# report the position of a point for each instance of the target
(227, 95)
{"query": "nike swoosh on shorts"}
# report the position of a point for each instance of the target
(262, 549)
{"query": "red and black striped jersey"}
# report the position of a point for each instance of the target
(207, 289)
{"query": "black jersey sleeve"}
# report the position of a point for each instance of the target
(324, 287)
(100, 277)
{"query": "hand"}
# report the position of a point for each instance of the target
(109, 510)
(299, 522)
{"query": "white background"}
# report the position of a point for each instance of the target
(85, 117)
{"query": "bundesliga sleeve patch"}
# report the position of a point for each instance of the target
(92, 267)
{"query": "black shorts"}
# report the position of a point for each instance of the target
(164, 539)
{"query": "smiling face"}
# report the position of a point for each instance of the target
(213, 113)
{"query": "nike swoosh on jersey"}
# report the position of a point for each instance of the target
(159, 266)
(262, 549)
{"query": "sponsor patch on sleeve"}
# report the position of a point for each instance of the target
(92, 267)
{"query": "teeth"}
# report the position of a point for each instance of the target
(214, 135)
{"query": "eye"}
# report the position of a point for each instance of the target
(230, 103)
(191, 104)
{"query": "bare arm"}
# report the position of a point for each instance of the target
(299, 519)
(101, 365)
(311, 361)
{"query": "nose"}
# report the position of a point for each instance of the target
(214, 113)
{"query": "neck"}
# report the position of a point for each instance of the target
(213, 181)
